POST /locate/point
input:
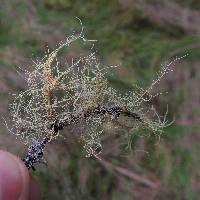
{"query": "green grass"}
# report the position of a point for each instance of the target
(181, 172)
(5, 37)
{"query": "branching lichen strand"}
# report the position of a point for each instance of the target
(57, 97)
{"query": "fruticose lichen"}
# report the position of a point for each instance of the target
(77, 94)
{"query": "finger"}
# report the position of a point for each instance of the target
(34, 190)
(14, 178)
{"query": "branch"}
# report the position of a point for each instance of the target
(135, 177)
(36, 149)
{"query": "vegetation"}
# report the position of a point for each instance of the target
(159, 170)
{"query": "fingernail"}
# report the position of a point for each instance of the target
(13, 177)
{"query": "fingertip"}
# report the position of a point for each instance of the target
(34, 190)
(14, 178)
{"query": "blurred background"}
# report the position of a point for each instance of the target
(139, 35)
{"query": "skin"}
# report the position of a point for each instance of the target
(15, 181)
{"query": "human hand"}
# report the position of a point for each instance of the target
(15, 181)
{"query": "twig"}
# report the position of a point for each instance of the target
(133, 176)
(36, 149)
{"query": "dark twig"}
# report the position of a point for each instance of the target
(35, 153)
(36, 149)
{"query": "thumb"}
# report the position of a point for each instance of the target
(14, 178)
